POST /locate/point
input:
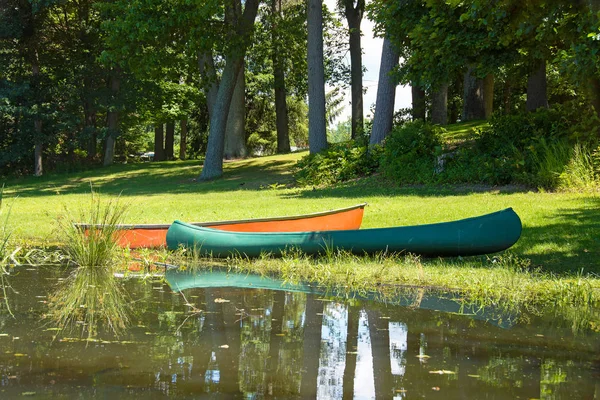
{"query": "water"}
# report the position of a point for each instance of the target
(259, 343)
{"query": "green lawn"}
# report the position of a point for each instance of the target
(561, 230)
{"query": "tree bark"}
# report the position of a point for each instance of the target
(206, 65)
(112, 121)
(183, 139)
(488, 95)
(159, 150)
(354, 16)
(418, 103)
(169, 140)
(281, 110)
(386, 94)
(37, 122)
(473, 101)
(213, 163)
(439, 105)
(537, 92)
(235, 133)
(507, 97)
(317, 133)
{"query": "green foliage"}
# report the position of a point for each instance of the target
(411, 151)
(338, 163)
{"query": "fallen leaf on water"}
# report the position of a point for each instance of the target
(436, 388)
(3, 334)
(28, 394)
(20, 355)
(220, 300)
(225, 346)
(474, 376)
(423, 356)
(442, 372)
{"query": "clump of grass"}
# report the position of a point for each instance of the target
(98, 245)
(90, 296)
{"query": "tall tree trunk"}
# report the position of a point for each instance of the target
(169, 140)
(473, 100)
(213, 163)
(159, 137)
(537, 92)
(317, 133)
(112, 121)
(235, 133)
(206, 65)
(439, 105)
(595, 89)
(488, 95)
(37, 122)
(507, 97)
(354, 16)
(182, 138)
(89, 115)
(281, 110)
(418, 102)
(386, 94)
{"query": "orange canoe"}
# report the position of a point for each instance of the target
(154, 235)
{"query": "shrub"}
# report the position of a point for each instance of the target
(338, 163)
(538, 149)
(410, 152)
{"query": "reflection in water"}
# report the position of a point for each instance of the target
(333, 351)
(398, 348)
(364, 383)
(250, 343)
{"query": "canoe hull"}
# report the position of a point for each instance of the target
(485, 234)
(153, 236)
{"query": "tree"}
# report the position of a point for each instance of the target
(354, 10)
(317, 133)
(386, 93)
(281, 110)
(213, 163)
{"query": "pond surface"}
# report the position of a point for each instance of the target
(259, 343)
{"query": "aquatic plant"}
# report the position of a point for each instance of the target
(91, 296)
(4, 253)
(98, 244)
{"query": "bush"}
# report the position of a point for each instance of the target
(411, 151)
(338, 163)
(533, 148)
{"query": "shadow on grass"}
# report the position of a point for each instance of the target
(378, 186)
(568, 243)
(158, 178)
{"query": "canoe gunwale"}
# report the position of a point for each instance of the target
(230, 222)
(475, 235)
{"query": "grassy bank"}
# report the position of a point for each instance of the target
(555, 263)
(561, 231)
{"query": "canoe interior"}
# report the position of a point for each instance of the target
(154, 235)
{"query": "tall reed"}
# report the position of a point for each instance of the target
(91, 296)
(4, 252)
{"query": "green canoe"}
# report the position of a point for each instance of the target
(485, 234)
